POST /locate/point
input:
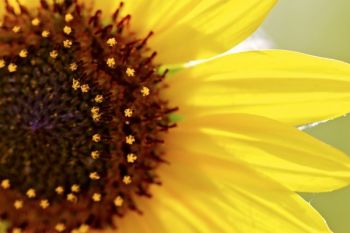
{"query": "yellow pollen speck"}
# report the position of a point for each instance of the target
(96, 137)
(68, 17)
(18, 204)
(23, 53)
(111, 42)
(35, 22)
(99, 99)
(95, 110)
(12, 67)
(31, 193)
(71, 197)
(5, 184)
(95, 154)
(94, 176)
(16, 29)
(45, 34)
(75, 188)
(59, 190)
(130, 139)
(126, 179)
(118, 201)
(67, 43)
(111, 62)
(75, 231)
(131, 158)
(76, 84)
(145, 91)
(44, 203)
(84, 228)
(96, 197)
(128, 112)
(67, 30)
(16, 230)
(85, 88)
(73, 66)
(60, 227)
(96, 117)
(2, 63)
(130, 72)
(53, 54)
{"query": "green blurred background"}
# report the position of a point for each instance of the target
(319, 27)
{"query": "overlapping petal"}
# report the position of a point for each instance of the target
(288, 86)
(216, 196)
(288, 155)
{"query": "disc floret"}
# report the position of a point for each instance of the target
(81, 117)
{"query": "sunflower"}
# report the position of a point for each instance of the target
(100, 133)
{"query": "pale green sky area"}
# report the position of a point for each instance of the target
(319, 27)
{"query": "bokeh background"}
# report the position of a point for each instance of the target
(319, 27)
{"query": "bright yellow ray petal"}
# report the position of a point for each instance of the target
(187, 30)
(237, 200)
(287, 86)
(108, 7)
(292, 157)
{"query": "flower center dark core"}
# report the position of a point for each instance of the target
(81, 118)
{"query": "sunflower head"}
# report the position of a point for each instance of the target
(81, 118)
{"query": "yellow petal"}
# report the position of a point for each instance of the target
(186, 30)
(283, 85)
(288, 155)
(236, 199)
(108, 7)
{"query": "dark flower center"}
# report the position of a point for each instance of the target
(81, 118)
